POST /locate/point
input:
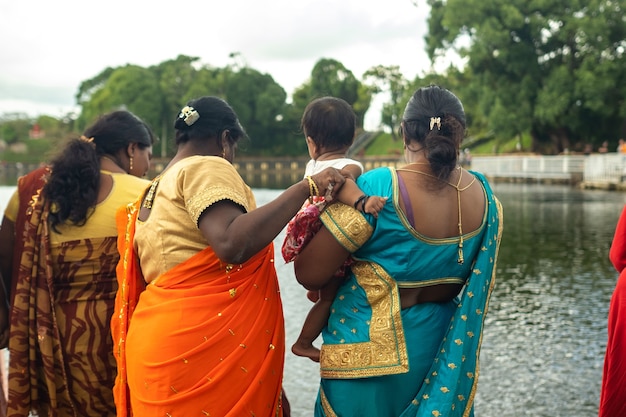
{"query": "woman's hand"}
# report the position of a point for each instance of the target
(328, 182)
(235, 235)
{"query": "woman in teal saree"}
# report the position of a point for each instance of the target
(404, 334)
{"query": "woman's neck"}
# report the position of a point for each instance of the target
(108, 163)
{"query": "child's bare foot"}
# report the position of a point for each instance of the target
(306, 350)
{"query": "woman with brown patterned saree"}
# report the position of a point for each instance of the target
(59, 256)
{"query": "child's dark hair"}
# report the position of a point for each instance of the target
(207, 118)
(330, 122)
(435, 119)
(72, 189)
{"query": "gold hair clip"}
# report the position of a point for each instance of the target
(189, 115)
(90, 141)
(86, 139)
(435, 121)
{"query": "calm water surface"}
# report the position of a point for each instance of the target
(545, 332)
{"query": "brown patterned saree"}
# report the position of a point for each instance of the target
(61, 361)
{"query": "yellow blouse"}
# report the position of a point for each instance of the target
(126, 189)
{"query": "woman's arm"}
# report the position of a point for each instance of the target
(236, 236)
(318, 261)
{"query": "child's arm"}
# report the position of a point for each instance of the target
(350, 194)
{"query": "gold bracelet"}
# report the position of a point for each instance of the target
(313, 190)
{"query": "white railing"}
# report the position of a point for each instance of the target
(539, 167)
(608, 167)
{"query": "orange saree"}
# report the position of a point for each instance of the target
(204, 338)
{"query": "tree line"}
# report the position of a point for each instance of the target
(552, 71)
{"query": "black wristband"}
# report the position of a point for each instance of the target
(358, 200)
(363, 203)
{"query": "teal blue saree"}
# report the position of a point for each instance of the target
(380, 360)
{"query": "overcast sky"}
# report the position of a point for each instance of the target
(47, 48)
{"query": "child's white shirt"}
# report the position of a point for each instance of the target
(313, 166)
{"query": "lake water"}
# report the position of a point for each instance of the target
(545, 332)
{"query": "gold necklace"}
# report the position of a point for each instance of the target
(456, 186)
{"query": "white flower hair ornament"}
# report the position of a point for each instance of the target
(435, 121)
(189, 115)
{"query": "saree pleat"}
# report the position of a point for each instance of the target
(204, 338)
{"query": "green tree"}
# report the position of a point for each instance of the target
(175, 79)
(553, 68)
(330, 77)
(389, 80)
(88, 87)
(260, 104)
(131, 87)
(15, 130)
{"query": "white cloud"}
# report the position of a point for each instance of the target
(49, 48)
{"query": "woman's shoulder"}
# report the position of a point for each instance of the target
(201, 165)
(376, 175)
(378, 181)
(126, 188)
(130, 181)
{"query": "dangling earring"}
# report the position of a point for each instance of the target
(131, 164)
(224, 153)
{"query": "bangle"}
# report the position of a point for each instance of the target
(364, 202)
(313, 190)
(360, 199)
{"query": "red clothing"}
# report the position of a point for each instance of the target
(301, 229)
(613, 394)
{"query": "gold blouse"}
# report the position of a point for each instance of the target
(170, 235)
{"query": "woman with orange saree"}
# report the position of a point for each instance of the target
(199, 327)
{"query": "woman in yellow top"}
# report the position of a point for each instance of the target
(198, 328)
(58, 255)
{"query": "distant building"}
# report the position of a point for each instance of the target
(36, 132)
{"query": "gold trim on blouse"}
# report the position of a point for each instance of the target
(200, 201)
(354, 230)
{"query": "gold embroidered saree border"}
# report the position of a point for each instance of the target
(328, 409)
(386, 352)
